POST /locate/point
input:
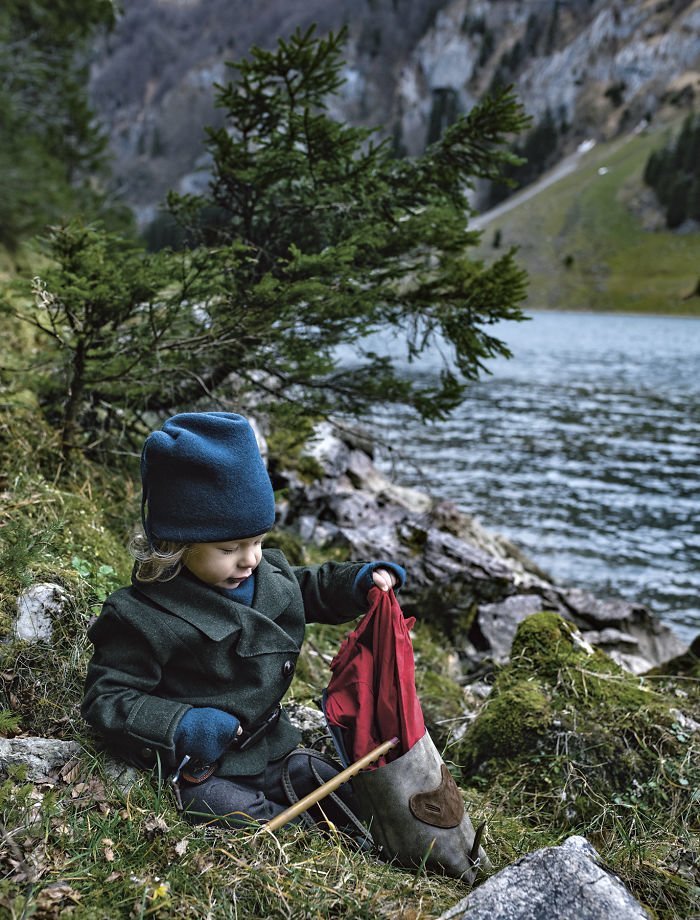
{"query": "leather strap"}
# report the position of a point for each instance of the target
(293, 797)
(250, 736)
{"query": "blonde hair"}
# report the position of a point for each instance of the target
(157, 561)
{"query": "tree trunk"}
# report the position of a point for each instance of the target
(71, 412)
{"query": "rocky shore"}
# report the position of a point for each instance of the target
(477, 585)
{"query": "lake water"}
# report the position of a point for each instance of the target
(584, 449)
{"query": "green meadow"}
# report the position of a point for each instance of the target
(585, 239)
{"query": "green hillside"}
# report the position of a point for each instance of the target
(585, 242)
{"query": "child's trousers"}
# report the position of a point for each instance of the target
(258, 798)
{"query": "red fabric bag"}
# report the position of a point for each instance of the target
(408, 800)
(372, 695)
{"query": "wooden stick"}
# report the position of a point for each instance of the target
(318, 794)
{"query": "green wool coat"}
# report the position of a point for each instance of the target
(164, 647)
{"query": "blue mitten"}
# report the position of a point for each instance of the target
(363, 580)
(205, 733)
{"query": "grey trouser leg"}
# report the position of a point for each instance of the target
(249, 799)
(235, 801)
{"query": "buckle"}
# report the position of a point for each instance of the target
(174, 780)
(197, 773)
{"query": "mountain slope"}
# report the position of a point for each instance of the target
(595, 67)
(594, 239)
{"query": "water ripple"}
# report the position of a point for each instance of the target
(588, 456)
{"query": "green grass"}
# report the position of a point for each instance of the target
(85, 849)
(583, 242)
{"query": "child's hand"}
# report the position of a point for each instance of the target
(204, 733)
(384, 579)
(380, 574)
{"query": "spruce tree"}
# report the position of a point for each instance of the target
(317, 236)
(117, 335)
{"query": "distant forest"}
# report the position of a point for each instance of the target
(53, 154)
(674, 174)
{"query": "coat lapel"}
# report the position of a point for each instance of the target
(273, 591)
(218, 616)
(210, 612)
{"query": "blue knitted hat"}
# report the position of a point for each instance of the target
(204, 480)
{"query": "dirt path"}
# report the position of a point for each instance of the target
(563, 168)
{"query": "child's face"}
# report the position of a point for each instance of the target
(226, 563)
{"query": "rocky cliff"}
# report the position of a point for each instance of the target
(593, 67)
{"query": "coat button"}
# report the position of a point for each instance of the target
(147, 753)
(288, 668)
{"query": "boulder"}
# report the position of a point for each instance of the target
(36, 609)
(655, 641)
(42, 758)
(565, 882)
(310, 722)
(625, 631)
(45, 759)
(565, 724)
(496, 624)
(622, 647)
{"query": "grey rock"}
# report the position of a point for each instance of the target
(308, 720)
(330, 452)
(314, 732)
(42, 757)
(498, 623)
(656, 642)
(36, 609)
(594, 610)
(556, 883)
(120, 774)
(445, 555)
(611, 637)
(621, 647)
(635, 664)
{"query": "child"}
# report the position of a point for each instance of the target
(193, 659)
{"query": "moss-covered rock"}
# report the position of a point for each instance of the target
(568, 741)
(558, 695)
(515, 721)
